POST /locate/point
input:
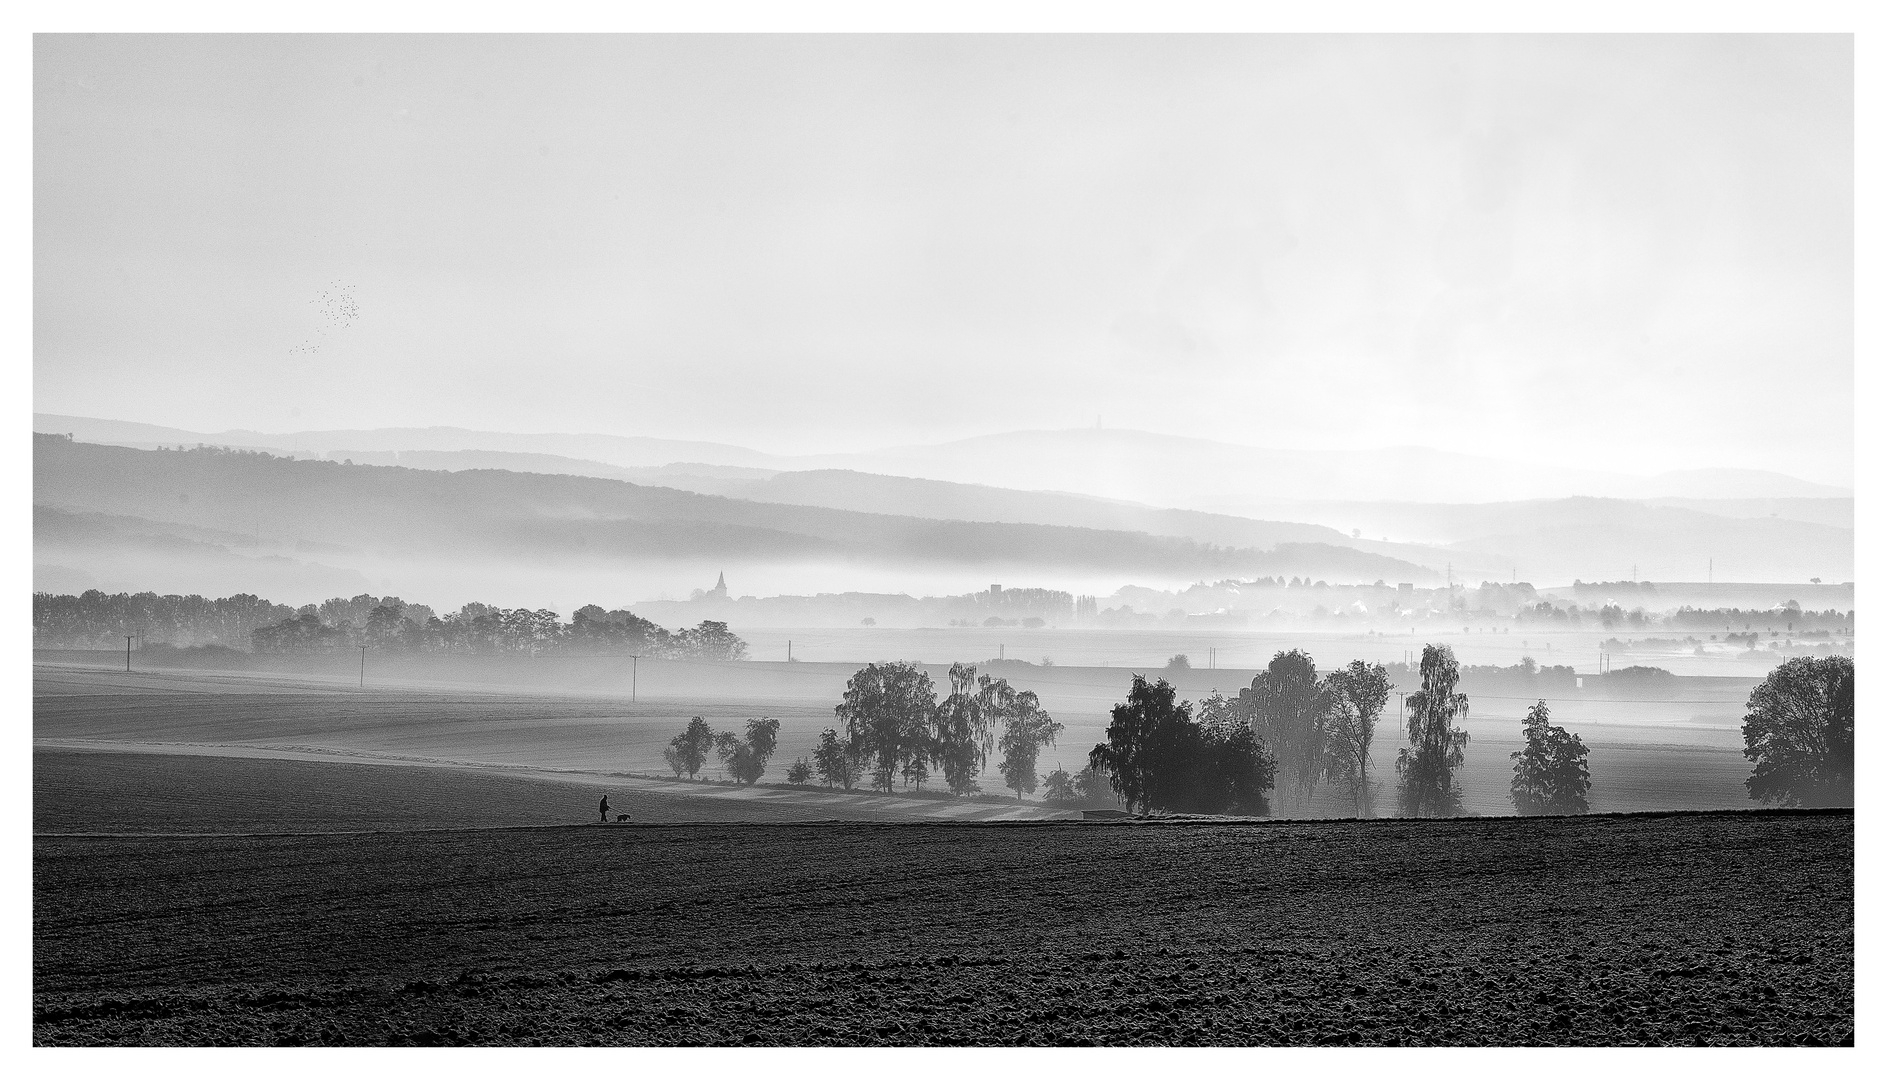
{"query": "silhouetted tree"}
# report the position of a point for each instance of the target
(1355, 697)
(1157, 758)
(711, 641)
(672, 754)
(887, 711)
(1436, 747)
(1140, 755)
(799, 773)
(1550, 774)
(746, 759)
(692, 745)
(1179, 663)
(1800, 733)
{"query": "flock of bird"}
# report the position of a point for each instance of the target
(336, 310)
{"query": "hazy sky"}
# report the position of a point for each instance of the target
(1632, 253)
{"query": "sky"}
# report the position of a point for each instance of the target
(1630, 253)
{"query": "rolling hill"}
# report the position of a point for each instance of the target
(375, 519)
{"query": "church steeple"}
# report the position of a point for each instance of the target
(719, 592)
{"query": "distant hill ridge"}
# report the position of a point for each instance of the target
(1164, 470)
(495, 514)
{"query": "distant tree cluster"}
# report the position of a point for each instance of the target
(743, 757)
(1608, 616)
(95, 619)
(1158, 757)
(891, 726)
(484, 629)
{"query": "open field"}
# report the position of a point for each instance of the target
(91, 791)
(1659, 755)
(1721, 929)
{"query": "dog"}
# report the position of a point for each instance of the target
(621, 818)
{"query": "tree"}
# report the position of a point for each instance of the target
(1058, 787)
(835, 761)
(1436, 747)
(1799, 732)
(1179, 663)
(711, 641)
(1356, 696)
(673, 755)
(887, 712)
(692, 745)
(799, 773)
(1218, 712)
(746, 759)
(1084, 789)
(1026, 729)
(1092, 787)
(962, 730)
(1158, 758)
(1288, 710)
(1550, 774)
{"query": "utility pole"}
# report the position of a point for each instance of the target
(363, 667)
(635, 667)
(789, 650)
(999, 652)
(1712, 579)
(127, 652)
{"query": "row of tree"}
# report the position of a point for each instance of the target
(95, 619)
(484, 629)
(1291, 728)
(1294, 730)
(892, 726)
(745, 759)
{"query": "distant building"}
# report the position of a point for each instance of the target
(719, 592)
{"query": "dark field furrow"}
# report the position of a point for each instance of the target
(1716, 929)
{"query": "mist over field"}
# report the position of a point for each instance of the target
(897, 539)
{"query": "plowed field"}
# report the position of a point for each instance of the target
(1723, 929)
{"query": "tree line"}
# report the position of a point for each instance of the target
(485, 629)
(892, 727)
(95, 619)
(744, 758)
(1291, 730)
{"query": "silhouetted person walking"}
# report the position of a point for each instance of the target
(602, 809)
